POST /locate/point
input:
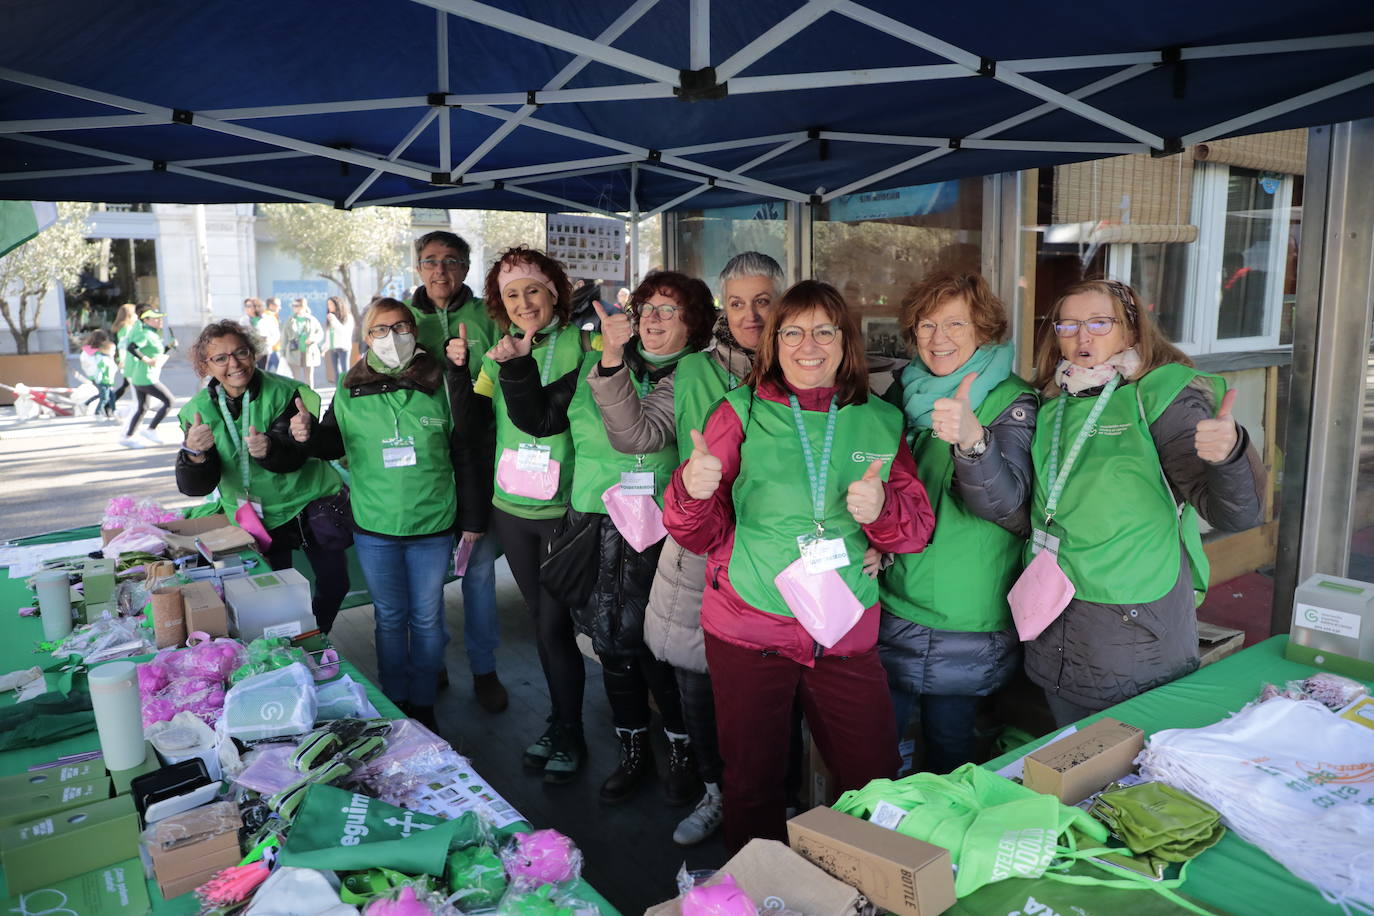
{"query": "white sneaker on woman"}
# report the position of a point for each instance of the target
(153, 436)
(704, 820)
(130, 442)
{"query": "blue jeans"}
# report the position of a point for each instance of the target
(947, 727)
(481, 630)
(406, 579)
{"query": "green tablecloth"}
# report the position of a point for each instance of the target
(19, 637)
(1234, 875)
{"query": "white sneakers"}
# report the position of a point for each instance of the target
(130, 442)
(704, 820)
(153, 436)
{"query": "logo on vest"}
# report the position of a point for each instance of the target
(1109, 429)
(860, 457)
(431, 421)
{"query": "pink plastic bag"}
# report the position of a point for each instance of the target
(1039, 596)
(461, 554)
(529, 484)
(822, 602)
(247, 519)
(638, 518)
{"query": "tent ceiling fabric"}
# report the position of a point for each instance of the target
(618, 105)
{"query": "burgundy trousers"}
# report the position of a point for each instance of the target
(846, 704)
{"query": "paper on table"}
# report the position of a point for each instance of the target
(1016, 769)
(26, 560)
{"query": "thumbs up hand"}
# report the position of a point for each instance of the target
(616, 332)
(301, 423)
(257, 443)
(457, 348)
(865, 497)
(1216, 438)
(509, 347)
(701, 475)
(952, 419)
(199, 438)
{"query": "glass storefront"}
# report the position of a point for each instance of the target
(705, 239)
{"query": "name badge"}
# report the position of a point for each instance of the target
(398, 452)
(532, 457)
(1043, 540)
(820, 554)
(257, 506)
(637, 483)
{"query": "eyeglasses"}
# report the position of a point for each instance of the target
(378, 331)
(1097, 326)
(954, 327)
(643, 310)
(793, 335)
(241, 355)
(446, 263)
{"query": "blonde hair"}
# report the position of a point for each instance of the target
(1142, 332)
(127, 315)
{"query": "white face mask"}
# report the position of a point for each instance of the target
(394, 350)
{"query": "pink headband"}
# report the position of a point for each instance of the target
(522, 270)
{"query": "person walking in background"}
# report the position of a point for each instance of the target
(338, 337)
(124, 321)
(98, 368)
(302, 337)
(269, 327)
(143, 367)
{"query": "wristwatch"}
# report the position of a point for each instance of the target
(194, 453)
(978, 448)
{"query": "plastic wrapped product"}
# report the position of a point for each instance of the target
(723, 899)
(271, 705)
(343, 699)
(542, 857)
(476, 877)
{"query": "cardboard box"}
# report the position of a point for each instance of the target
(69, 843)
(775, 877)
(175, 887)
(98, 580)
(274, 603)
(818, 783)
(1076, 766)
(1215, 643)
(185, 526)
(227, 540)
(205, 612)
(22, 807)
(900, 874)
(50, 777)
(115, 890)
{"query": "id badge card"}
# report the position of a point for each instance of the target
(257, 506)
(532, 457)
(820, 554)
(637, 483)
(398, 452)
(1043, 540)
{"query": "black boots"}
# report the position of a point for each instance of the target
(682, 785)
(636, 763)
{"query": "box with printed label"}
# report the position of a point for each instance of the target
(1076, 766)
(205, 612)
(51, 776)
(69, 843)
(114, 890)
(274, 603)
(28, 806)
(900, 874)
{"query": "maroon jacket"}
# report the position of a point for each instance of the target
(707, 526)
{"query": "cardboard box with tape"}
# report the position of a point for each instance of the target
(1080, 764)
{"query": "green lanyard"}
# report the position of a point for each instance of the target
(815, 476)
(234, 434)
(546, 366)
(1057, 477)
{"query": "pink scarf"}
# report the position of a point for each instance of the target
(1076, 379)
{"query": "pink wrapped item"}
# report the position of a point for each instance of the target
(541, 857)
(269, 769)
(517, 481)
(822, 602)
(724, 898)
(637, 517)
(141, 537)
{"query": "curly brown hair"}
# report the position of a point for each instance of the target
(562, 306)
(223, 328)
(691, 294)
(988, 314)
(851, 379)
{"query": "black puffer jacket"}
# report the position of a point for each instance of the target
(613, 617)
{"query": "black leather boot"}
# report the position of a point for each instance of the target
(636, 763)
(682, 785)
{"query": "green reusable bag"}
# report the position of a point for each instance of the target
(1155, 818)
(1049, 895)
(346, 831)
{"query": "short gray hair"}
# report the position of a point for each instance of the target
(444, 237)
(752, 264)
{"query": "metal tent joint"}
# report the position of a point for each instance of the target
(987, 67)
(436, 99)
(1172, 145)
(183, 116)
(700, 85)
(159, 165)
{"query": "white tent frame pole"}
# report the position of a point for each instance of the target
(699, 34)
(683, 198)
(544, 34)
(562, 201)
(732, 144)
(441, 58)
(429, 195)
(1279, 46)
(237, 160)
(96, 122)
(546, 167)
(633, 273)
(752, 163)
(73, 173)
(827, 79)
(314, 108)
(490, 185)
(561, 79)
(1271, 111)
(785, 29)
(401, 147)
(1051, 146)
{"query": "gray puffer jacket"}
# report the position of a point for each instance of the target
(1095, 655)
(635, 425)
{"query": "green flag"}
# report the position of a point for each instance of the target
(21, 220)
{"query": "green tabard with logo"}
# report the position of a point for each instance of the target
(698, 383)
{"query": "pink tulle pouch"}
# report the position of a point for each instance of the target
(822, 602)
(1039, 595)
(518, 481)
(638, 518)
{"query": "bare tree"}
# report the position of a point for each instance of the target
(54, 257)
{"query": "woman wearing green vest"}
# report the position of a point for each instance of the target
(664, 417)
(530, 299)
(143, 363)
(673, 313)
(946, 637)
(797, 474)
(1132, 443)
(237, 439)
(394, 416)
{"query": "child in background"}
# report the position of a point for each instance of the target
(104, 380)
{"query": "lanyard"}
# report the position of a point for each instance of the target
(816, 476)
(546, 366)
(1058, 477)
(235, 435)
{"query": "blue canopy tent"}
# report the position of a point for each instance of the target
(637, 106)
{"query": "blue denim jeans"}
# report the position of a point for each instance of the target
(406, 579)
(481, 630)
(947, 727)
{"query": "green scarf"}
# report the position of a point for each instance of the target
(659, 361)
(921, 389)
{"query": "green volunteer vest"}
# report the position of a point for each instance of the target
(566, 357)
(772, 496)
(104, 370)
(399, 501)
(1116, 521)
(699, 382)
(432, 331)
(960, 581)
(282, 496)
(599, 465)
(142, 341)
